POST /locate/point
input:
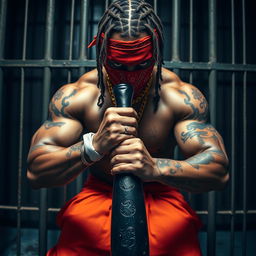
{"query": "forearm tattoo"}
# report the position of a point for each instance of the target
(201, 131)
(203, 158)
(201, 113)
(54, 110)
(174, 166)
(74, 148)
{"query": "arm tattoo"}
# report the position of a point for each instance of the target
(74, 148)
(49, 124)
(54, 110)
(203, 158)
(175, 166)
(64, 103)
(35, 147)
(201, 131)
(197, 115)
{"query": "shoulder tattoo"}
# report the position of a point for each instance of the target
(200, 110)
(58, 111)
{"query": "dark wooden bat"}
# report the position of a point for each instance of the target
(129, 232)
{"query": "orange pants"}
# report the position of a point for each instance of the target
(85, 222)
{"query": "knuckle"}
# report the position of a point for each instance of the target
(113, 128)
(113, 136)
(134, 121)
(139, 165)
(139, 156)
(110, 118)
(139, 147)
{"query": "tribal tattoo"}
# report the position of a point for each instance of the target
(49, 124)
(198, 114)
(201, 131)
(55, 111)
(64, 103)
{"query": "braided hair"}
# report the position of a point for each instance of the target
(129, 18)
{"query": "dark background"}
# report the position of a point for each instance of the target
(23, 108)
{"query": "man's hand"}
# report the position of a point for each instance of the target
(131, 156)
(118, 124)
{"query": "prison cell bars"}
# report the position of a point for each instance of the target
(233, 133)
(212, 66)
(244, 240)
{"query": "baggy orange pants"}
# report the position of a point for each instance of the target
(85, 222)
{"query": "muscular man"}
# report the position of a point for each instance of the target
(140, 140)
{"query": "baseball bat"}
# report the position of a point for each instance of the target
(129, 232)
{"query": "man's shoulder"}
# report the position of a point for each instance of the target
(74, 97)
(185, 99)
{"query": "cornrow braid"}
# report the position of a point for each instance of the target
(129, 18)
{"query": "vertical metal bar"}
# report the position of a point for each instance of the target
(106, 4)
(191, 37)
(20, 158)
(83, 56)
(244, 238)
(176, 30)
(233, 135)
(155, 6)
(211, 229)
(3, 9)
(46, 96)
(84, 33)
(71, 33)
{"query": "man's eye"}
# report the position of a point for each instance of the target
(117, 65)
(145, 63)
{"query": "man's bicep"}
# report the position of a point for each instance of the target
(62, 132)
(61, 128)
(194, 137)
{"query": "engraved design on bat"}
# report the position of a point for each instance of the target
(127, 208)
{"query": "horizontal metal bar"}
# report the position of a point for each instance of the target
(31, 208)
(92, 63)
(22, 208)
(228, 212)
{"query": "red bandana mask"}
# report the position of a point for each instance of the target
(129, 53)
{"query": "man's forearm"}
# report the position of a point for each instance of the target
(200, 173)
(50, 166)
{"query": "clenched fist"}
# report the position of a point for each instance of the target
(118, 125)
(131, 156)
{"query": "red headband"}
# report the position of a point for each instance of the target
(128, 52)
